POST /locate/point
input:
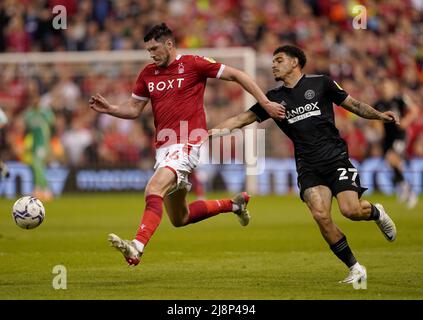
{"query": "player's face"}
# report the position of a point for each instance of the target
(388, 89)
(159, 51)
(282, 65)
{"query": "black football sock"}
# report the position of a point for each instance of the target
(374, 213)
(342, 250)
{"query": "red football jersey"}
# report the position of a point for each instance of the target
(177, 95)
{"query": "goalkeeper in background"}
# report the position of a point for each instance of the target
(39, 122)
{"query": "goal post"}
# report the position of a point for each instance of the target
(81, 62)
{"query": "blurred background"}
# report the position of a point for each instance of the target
(88, 151)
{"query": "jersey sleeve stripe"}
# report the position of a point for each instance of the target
(139, 98)
(219, 73)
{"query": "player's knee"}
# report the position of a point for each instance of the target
(160, 184)
(351, 211)
(154, 188)
(179, 222)
(322, 217)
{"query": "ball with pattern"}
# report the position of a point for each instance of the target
(28, 212)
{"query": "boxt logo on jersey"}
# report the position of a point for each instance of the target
(303, 112)
(168, 84)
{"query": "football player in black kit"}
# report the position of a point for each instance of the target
(323, 166)
(394, 143)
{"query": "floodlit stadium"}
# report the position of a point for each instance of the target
(90, 169)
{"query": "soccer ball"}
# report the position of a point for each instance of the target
(28, 212)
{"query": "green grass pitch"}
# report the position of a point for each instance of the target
(280, 255)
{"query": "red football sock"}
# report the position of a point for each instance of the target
(203, 209)
(151, 218)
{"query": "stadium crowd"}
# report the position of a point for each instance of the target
(391, 47)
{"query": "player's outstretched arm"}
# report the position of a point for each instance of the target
(275, 110)
(365, 111)
(236, 122)
(130, 109)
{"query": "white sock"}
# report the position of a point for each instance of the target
(138, 245)
(356, 265)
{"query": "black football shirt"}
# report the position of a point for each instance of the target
(309, 121)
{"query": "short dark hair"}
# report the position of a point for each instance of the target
(293, 52)
(159, 32)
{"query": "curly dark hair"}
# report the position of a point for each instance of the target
(293, 52)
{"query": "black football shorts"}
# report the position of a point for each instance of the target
(338, 176)
(396, 144)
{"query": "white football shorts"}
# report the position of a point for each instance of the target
(182, 159)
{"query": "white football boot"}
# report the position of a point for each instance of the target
(358, 274)
(385, 224)
(127, 248)
(241, 199)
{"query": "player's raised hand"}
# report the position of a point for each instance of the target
(275, 110)
(390, 116)
(100, 104)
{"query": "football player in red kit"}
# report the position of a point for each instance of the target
(175, 85)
